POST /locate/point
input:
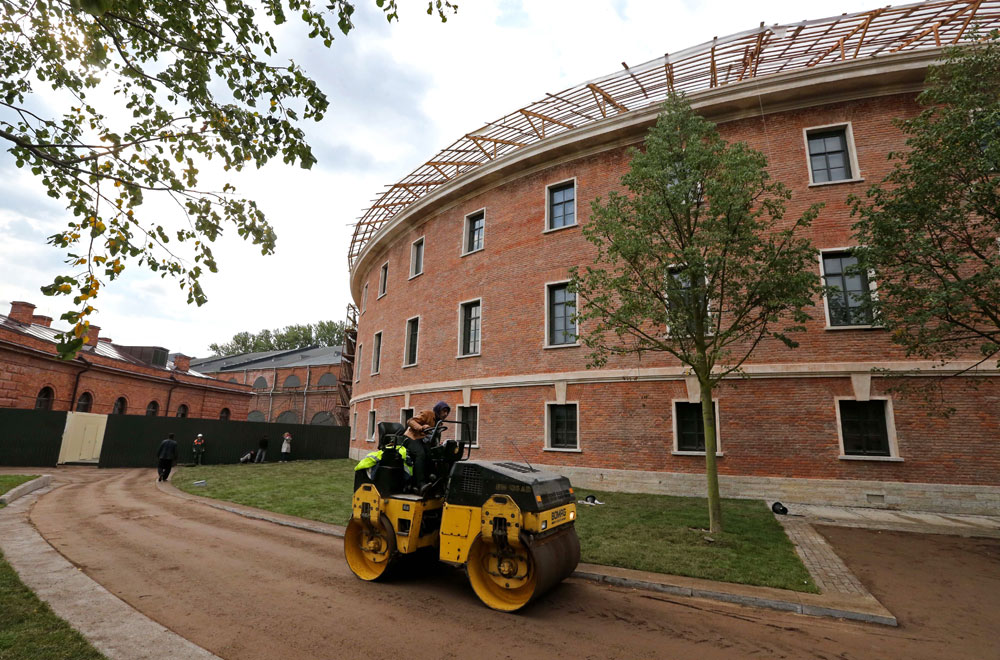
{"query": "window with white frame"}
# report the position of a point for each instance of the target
(376, 352)
(848, 297)
(469, 429)
(412, 337)
(405, 415)
(865, 428)
(364, 297)
(681, 293)
(471, 327)
(830, 152)
(417, 257)
(561, 205)
(475, 230)
(560, 312)
(689, 428)
(562, 426)
(383, 279)
(358, 362)
(354, 427)
(370, 436)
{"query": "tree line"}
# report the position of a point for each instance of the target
(322, 333)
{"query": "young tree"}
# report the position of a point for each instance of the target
(929, 230)
(111, 103)
(696, 261)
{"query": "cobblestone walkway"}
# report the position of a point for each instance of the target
(828, 571)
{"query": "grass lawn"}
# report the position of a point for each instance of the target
(9, 481)
(657, 533)
(28, 628)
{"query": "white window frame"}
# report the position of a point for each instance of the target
(546, 345)
(872, 292)
(406, 340)
(890, 431)
(576, 219)
(376, 353)
(402, 416)
(711, 313)
(372, 424)
(718, 429)
(461, 307)
(465, 233)
(383, 280)
(354, 428)
(423, 255)
(548, 440)
(364, 298)
(476, 406)
(357, 364)
(852, 151)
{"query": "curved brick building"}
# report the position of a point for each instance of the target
(459, 273)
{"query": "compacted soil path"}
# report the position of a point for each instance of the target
(248, 589)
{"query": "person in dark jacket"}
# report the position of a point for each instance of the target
(262, 451)
(167, 455)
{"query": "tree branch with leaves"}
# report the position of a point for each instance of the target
(146, 92)
(696, 260)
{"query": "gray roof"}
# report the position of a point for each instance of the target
(312, 356)
(103, 348)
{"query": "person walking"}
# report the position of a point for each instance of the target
(262, 450)
(199, 448)
(167, 454)
(286, 447)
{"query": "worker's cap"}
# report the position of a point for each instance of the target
(199, 435)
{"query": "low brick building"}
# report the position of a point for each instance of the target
(105, 378)
(296, 386)
(460, 274)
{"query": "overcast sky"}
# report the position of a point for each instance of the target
(398, 93)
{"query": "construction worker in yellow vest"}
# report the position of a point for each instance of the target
(371, 461)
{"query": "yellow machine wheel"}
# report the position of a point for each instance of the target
(492, 589)
(370, 554)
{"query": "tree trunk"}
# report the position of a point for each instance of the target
(711, 471)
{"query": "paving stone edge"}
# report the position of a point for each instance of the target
(27, 487)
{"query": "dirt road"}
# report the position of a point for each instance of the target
(247, 589)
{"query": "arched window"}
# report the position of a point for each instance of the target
(224, 414)
(153, 409)
(288, 417)
(44, 399)
(322, 418)
(85, 402)
(256, 416)
(327, 380)
(260, 383)
(292, 381)
(182, 410)
(121, 405)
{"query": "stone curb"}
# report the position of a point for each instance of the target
(111, 625)
(740, 599)
(29, 486)
(664, 587)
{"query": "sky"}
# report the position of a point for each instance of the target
(399, 93)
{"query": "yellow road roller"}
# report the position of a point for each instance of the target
(510, 525)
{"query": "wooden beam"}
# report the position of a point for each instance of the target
(937, 25)
(607, 97)
(641, 88)
(547, 118)
(668, 68)
(972, 13)
(714, 82)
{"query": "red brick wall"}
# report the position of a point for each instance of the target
(27, 365)
(273, 400)
(770, 426)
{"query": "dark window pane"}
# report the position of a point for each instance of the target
(850, 289)
(471, 328)
(412, 335)
(44, 399)
(85, 402)
(562, 307)
(474, 232)
(690, 427)
(182, 411)
(828, 157)
(864, 429)
(470, 430)
(121, 405)
(561, 209)
(153, 409)
(224, 414)
(562, 426)
(377, 353)
(418, 257)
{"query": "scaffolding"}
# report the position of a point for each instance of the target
(726, 61)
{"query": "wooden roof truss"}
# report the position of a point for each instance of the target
(740, 57)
